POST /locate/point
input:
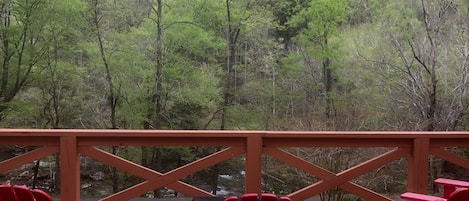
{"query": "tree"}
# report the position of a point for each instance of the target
(181, 72)
(362, 11)
(98, 31)
(283, 11)
(317, 48)
(158, 91)
(39, 53)
(108, 23)
(232, 33)
(323, 18)
(428, 53)
(21, 49)
(424, 71)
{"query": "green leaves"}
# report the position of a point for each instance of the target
(322, 18)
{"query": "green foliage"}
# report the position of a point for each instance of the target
(184, 115)
(21, 46)
(52, 73)
(314, 58)
(362, 11)
(21, 113)
(283, 11)
(402, 21)
(322, 17)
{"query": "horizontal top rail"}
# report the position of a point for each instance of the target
(118, 137)
(235, 133)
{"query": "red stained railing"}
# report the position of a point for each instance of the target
(70, 144)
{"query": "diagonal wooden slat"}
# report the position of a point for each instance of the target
(36, 154)
(450, 157)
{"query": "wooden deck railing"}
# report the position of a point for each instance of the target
(70, 144)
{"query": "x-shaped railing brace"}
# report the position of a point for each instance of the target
(342, 179)
(156, 179)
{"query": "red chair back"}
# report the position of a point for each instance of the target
(41, 195)
(249, 197)
(23, 193)
(459, 195)
(285, 198)
(231, 198)
(256, 197)
(268, 197)
(7, 193)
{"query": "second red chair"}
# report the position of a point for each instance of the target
(22, 193)
(257, 197)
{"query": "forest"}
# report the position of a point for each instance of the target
(341, 65)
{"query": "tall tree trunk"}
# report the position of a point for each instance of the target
(229, 59)
(328, 82)
(112, 98)
(156, 157)
(232, 35)
(159, 65)
(429, 65)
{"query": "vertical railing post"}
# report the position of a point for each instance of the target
(417, 179)
(253, 164)
(69, 169)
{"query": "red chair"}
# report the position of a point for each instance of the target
(450, 185)
(23, 193)
(459, 195)
(41, 195)
(7, 193)
(257, 197)
(284, 198)
(249, 197)
(231, 198)
(454, 190)
(268, 197)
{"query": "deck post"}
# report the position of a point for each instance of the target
(253, 177)
(69, 169)
(417, 181)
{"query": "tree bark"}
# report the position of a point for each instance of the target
(159, 65)
(112, 98)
